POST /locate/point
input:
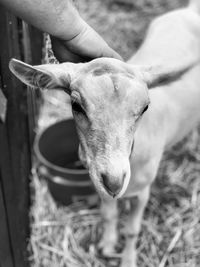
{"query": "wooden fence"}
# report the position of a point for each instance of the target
(20, 41)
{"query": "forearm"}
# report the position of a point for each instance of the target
(56, 17)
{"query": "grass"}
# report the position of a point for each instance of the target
(170, 236)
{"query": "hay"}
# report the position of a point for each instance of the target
(170, 236)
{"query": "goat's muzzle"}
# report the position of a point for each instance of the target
(113, 185)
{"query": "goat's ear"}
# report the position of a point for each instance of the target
(48, 76)
(156, 76)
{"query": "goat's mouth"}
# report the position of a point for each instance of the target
(132, 148)
(115, 191)
(111, 193)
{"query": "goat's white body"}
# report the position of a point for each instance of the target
(175, 108)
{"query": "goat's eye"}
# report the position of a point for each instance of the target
(77, 108)
(145, 109)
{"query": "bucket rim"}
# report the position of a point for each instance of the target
(61, 181)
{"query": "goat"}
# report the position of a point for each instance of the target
(123, 127)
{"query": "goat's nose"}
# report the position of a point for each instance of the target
(113, 185)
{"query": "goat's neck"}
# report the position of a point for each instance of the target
(173, 111)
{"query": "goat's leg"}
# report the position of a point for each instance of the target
(109, 211)
(132, 228)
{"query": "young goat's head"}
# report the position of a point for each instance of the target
(108, 99)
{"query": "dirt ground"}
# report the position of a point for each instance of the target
(170, 236)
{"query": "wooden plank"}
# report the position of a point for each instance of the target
(15, 139)
(32, 51)
(16, 160)
(3, 105)
(35, 45)
(17, 221)
(6, 256)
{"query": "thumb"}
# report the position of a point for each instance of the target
(109, 52)
(89, 44)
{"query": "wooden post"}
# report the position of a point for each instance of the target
(6, 256)
(15, 150)
(32, 54)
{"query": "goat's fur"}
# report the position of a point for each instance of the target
(121, 146)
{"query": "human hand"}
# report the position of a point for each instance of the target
(74, 40)
(85, 46)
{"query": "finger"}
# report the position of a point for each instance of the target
(109, 52)
(62, 54)
(89, 44)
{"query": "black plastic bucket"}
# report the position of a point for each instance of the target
(57, 151)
